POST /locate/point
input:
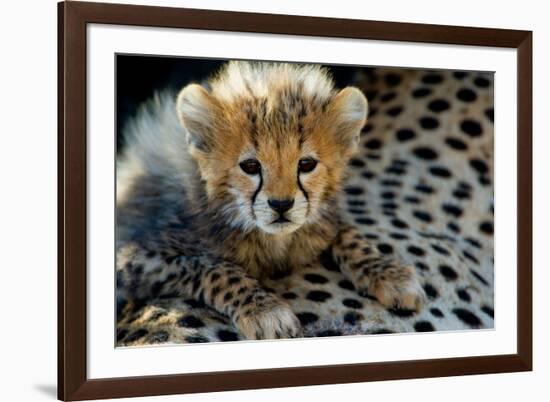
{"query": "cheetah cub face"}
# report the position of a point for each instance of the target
(271, 142)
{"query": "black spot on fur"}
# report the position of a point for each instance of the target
(351, 317)
(388, 97)
(374, 143)
(121, 333)
(351, 190)
(356, 203)
(459, 75)
(390, 183)
(479, 166)
(453, 227)
(389, 205)
(289, 295)
(484, 180)
(398, 223)
(318, 296)
(489, 311)
(432, 79)
(453, 210)
(405, 134)
(428, 123)
(225, 335)
(233, 280)
(368, 175)
(423, 326)
(367, 128)
(440, 250)
(365, 221)
(436, 312)
(346, 284)
(490, 113)
(415, 250)
(397, 170)
(358, 163)
(394, 111)
(307, 318)
(431, 292)
(449, 273)
(248, 300)
(315, 278)
(411, 199)
(463, 295)
(352, 303)
(190, 321)
(399, 236)
(421, 92)
(479, 277)
(196, 339)
(440, 171)
(470, 257)
(424, 188)
(392, 79)
(402, 312)
(456, 143)
(461, 194)
(466, 95)
(467, 317)
(438, 105)
(423, 216)
(481, 82)
(486, 227)
(136, 335)
(422, 266)
(471, 128)
(193, 303)
(473, 242)
(426, 153)
(385, 248)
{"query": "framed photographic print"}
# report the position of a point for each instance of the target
(253, 200)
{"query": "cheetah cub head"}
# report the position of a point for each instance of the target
(271, 142)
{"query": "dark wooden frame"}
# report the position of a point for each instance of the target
(73, 383)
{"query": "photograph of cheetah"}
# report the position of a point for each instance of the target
(266, 200)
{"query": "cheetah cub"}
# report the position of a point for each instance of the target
(227, 183)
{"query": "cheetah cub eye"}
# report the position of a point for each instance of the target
(306, 165)
(251, 166)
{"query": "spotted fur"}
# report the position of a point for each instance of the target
(415, 217)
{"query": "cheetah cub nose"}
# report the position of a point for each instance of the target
(281, 206)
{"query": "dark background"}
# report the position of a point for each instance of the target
(139, 77)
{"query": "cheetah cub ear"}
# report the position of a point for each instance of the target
(349, 112)
(196, 110)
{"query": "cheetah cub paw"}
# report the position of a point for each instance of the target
(269, 318)
(393, 284)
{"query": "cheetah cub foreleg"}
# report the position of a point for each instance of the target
(221, 285)
(391, 282)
